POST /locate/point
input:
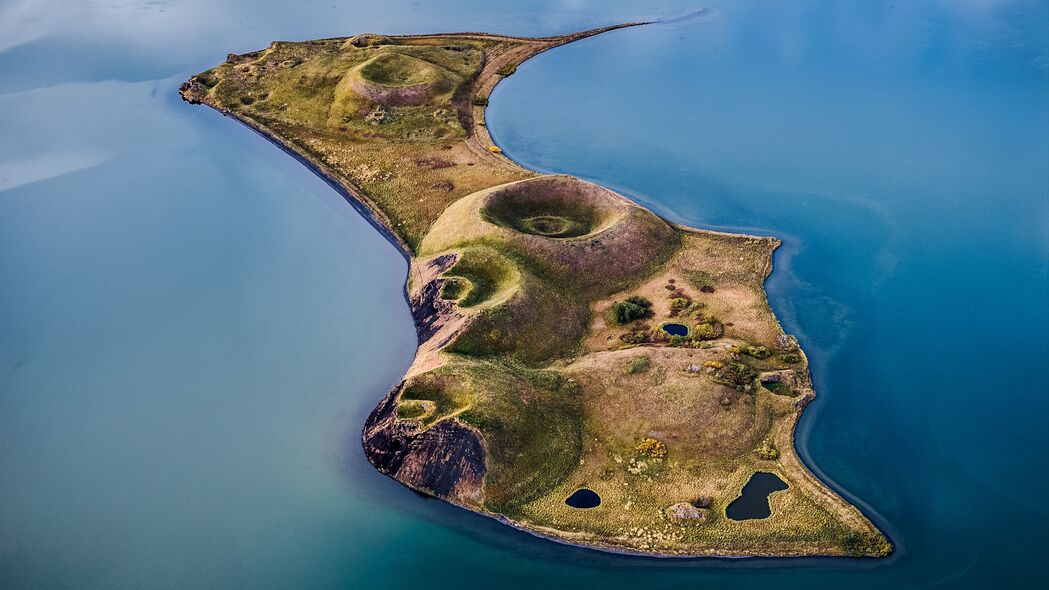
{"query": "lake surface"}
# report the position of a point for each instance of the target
(193, 327)
(754, 499)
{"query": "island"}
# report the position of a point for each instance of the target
(587, 371)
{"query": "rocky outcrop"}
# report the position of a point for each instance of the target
(193, 91)
(685, 512)
(784, 377)
(445, 460)
(430, 312)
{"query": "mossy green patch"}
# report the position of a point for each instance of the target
(485, 277)
(532, 426)
(530, 421)
(397, 69)
(553, 226)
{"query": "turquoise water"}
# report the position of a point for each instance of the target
(193, 327)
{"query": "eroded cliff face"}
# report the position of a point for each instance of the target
(436, 321)
(447, 459)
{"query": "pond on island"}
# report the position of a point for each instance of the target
(584, 498)
(676, 329)
(753, 501)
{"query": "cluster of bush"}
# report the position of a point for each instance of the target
(707, 331)
(681, 304)
(644, 334)
(767, 450)
(734, 374)
(651, 447)
(696, 335)
(639, 335)
(632, 308)
(758, 352)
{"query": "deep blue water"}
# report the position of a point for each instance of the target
(193, 327)
(676, 329)
(584, 498)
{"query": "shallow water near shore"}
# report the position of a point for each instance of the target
(193, 326)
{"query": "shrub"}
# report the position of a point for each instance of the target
(705, 331)
(639, 336)
(758, 352)
(767, 450)
(633, 308)
(738, 375)
(792, 357)
(696, 307)
(481, 101)
(507, 70)
(651, 447)
(679, 340)
(658, 335)
(678, 303)
(638, 364)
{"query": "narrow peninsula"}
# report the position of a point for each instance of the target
(586, 370)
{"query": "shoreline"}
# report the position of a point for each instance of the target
(480, 142)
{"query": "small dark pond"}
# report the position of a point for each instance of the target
(771, 384)
(753, 501)
(676, 329)
(584, 498)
